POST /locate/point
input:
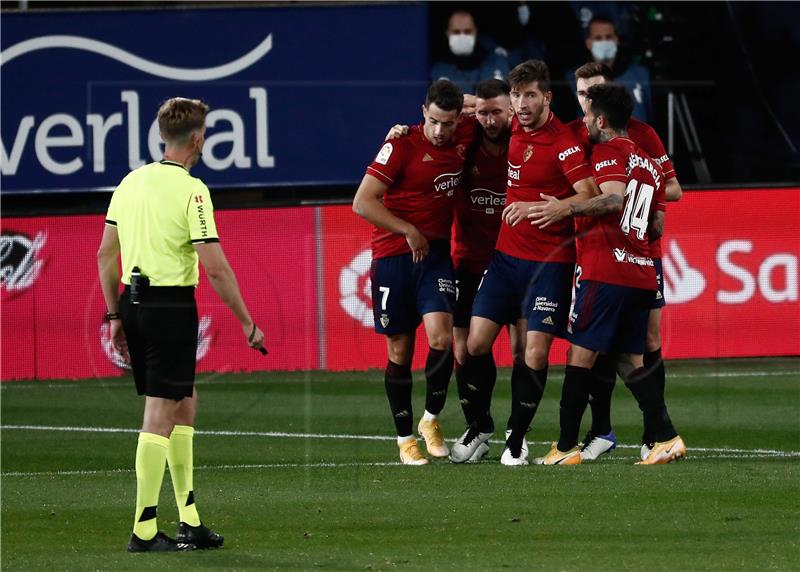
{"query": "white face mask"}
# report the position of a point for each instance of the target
(462, 44)
(524, 14)
(604, 50)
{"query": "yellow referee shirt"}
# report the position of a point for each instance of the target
(160, 211)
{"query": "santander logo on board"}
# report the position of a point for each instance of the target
(775, 278)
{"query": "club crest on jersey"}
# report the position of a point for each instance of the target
(461, 149)
(475, 170)
(427, 158)
(384, 320)
(528, 153)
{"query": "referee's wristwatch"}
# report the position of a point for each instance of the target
(112, 316)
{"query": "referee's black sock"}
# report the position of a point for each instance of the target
(645, 388)
(526, 394)
(398, 389)
(481, 373)
(604, 377)
(438, 369)
(574, 397)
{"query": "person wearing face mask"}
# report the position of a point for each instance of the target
(468, 60)
(161, 223)
(603, 44)
(522, 27)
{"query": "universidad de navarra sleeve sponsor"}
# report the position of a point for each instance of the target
(202, 227)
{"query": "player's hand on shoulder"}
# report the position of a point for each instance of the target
(548, 211)
(396, 132)
(418, 244)
(470, 104)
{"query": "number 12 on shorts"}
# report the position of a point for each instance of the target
(637, 208)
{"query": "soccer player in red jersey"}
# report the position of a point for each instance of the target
(530, 276)
(601, 438)
(478, 216)
(618, 281)
(408, 193)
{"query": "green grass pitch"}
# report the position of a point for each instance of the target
(300, 472)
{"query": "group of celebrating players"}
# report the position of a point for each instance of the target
(555, 233)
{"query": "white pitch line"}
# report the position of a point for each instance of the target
(734, 374)
(123, 384)
(618, 459)
(204, 468)
(225, 433)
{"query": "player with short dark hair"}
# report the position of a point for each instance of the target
(600, 438)
(478, 216)
(530, 276)
(160, 222)
(618, 282)
(408, 193)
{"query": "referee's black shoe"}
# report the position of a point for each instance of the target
(159, 543)
(200, 536)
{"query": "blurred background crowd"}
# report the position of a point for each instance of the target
(717, 80)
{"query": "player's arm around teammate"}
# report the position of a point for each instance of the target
(612, 305)
(407, 194)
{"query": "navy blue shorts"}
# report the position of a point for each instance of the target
(513, 288)
(466, 287)
(658, 300)
(609, 319)
(403, 292)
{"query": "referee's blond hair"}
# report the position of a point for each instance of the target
(178, 117)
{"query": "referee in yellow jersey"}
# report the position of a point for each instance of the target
(160, 221)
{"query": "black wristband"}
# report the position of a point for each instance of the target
(112, 316)
(252, 334)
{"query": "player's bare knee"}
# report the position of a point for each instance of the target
(400, 355)
(478, 347)
(536, 357)
(460, 352)
(441, 341)
(653, 340)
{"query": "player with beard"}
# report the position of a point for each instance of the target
(408, 193)
(530, 275)
(618, 279)
(600, 438)
(478, 216)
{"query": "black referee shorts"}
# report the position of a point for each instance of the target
(162, 340)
